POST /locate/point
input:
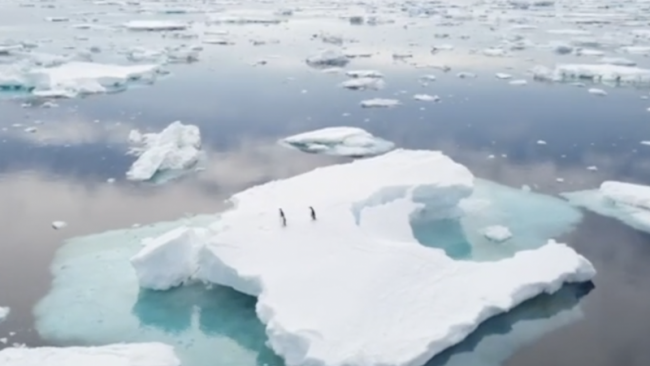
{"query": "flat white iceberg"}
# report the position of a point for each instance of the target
(175, 149)
(328, 58)
(155, 25)
(137, 354)
(627, 202)
(339, 141)
(379, 103)
(402, 301)
(364, 83)
(78, 78)
(497, 233)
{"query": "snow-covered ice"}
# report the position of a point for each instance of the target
(175, 149)
(328, 58)
(426, 97)
(627, 202)
(497, 233)
(59, 224)
(362, 248)
(364, 83)
(339, 141)
(379, 103)
(137, 354)
(155, 25)
(597, 91)
(594, 72)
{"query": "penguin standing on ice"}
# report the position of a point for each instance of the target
(313, 213)
(283, 218)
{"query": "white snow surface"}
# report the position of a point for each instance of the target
(136, 354)
(339, 141)
(355, 287)
(175, 148)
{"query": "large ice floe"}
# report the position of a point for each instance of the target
(385, 265)
(627, 202)
(605, 73)
(144, 354)
(402, 301)
(339, 141)
(166, 154)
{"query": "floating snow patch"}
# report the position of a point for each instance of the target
(364, 83)
(426, 97)
(379, 103)
(4, 312)
(78, 78)
(497, 233)
(143, 354)
(367, 227)
(339, 141)
(596, 73)
(596, 91)
(328, 58)
(501, 75)
(155, 25)
(172, 151)
(627, 202)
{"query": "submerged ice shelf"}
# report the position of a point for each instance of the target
(627, 202)
(145, 354)
(361, 248)
(339, 141)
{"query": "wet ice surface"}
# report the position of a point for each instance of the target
(250, 74)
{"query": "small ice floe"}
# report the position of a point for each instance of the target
(218, 41)
(541, 142)
(428, 78)
(57, 225)
(442, 47)
(331, 38)
(155, 25)
(426, 97)
(363, 84)
(328, 58)
(596, 91)
(243, 20)
(636, 50)
(589, 52)
(57, 19)
(518, 82)
(31, 129)
(495, 52)
(364, 74)
(174, 150)
(647, 143)
(569, 32)
(339, 141)
(592, 168)
(559, 180)
(4, 312)
(497, 233)
(502, 75)
(379, 103)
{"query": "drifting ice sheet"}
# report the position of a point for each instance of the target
(627, 202)
(339, 141)
(403, 300)
(144, 354)
(174, 149)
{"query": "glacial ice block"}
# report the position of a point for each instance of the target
(142, 354)
(627, 202)
(339, 141)
(175, 148)
(355, 287)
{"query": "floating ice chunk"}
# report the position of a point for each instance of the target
(589, 52)
(592, 168)
(339, 141)
(497, 233)
(4, 312)
(155, 25)
(136, 354)
(596, 91)
(362, 249)
(627, 202)
(466, 75)
(175, 148)
(59, 224)
(331, 38)
(426, 97)
(74, 78)
(328, 58)
(518, 82)
(561, 48)
(364, 74)
(427, 78)
(169, 260)
(636, 50)
(618, 61)
(363, 83)
(501, 75)
(541, 142)
(243, 20)
(569, 32)
(379, 103)
(495, 52)
(593, 72)
(442, 47)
